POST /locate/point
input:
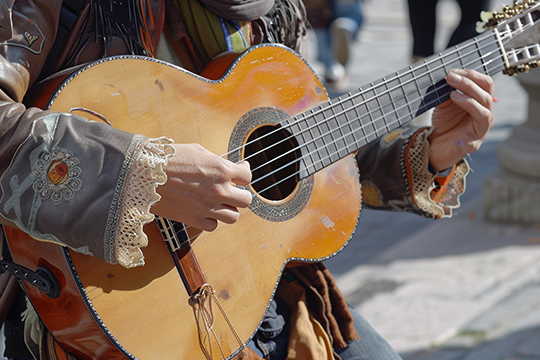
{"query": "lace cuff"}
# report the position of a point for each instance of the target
(147, 173)
(436, 196)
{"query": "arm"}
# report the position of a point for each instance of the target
(87, 185)
(399, 171)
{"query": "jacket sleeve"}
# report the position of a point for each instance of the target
(63, 178)
(395, 176)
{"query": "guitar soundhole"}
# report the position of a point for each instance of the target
(274, 158)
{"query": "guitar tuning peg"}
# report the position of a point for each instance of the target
(523, 68)
(486, 16)
(506, 9)
(480, 27)
(510, 71)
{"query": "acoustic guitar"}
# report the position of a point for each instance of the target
(202, 295)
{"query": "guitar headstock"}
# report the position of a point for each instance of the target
(517, 29)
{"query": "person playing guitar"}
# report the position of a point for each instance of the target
(91, 187)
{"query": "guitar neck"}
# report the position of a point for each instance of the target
(340, 126)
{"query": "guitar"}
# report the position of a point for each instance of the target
(202, 295)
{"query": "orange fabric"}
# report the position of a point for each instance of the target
(327, 303)
(307, 338)
(443, 182)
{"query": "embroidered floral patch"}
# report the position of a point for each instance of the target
(57, 176)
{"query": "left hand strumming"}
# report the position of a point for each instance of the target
(461, 124)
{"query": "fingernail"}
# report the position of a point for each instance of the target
(453, 78)
(459, 71)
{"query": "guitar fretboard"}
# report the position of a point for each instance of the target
(340, 126)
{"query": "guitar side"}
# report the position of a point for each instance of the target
(242, 262)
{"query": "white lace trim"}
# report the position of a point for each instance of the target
(140, 195)
(423, 182)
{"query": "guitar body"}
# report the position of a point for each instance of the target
(107, 311)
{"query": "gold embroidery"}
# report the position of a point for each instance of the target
(392, 136)
(58, 172)
(30, 38)
(371, 194)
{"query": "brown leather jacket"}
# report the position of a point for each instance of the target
(394, 169)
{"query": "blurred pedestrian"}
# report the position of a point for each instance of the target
(336, 24)
(423, 19)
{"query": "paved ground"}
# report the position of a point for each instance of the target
(452, 289)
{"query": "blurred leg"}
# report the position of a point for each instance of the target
(423, 19)
(470, 14)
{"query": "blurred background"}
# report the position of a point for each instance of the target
(460, 288)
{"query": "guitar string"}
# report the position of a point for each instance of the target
(363, 126)
(345, 113)
(378, 119)
(456, 49)
(474, 41)
(330, 155)
(342, 137)
(373, 88)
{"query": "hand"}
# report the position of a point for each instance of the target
(461, 123)
(199, 190)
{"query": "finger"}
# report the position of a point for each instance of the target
(480, 114)
(478, 86)
(226, 214)
(482, 80)
(238, 197)
(242, 173)
(208, 224)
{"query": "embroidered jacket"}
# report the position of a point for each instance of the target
(65, 179)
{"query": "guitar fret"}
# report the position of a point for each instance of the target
(435, 90)
(406, 95)
(479, 50)
(343, 121)
(392, 118)
(359, 140)
(333, 127)
(400, 101)
(330, 127)
(421, 107)
(350, 139)
(381, 107)
(374, 113)
(303, 126)
(311, 147)
(367, 126)
(460, 58)
(318, 144)
(493, 58)
(324, 138)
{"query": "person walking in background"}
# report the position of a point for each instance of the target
(92, 187)
(336, 24)
(423, 19)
